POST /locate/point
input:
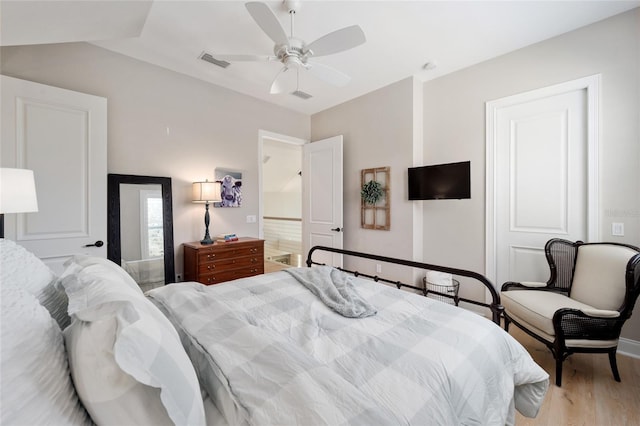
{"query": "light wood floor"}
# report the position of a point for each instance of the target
(270, 266)
(589, 395)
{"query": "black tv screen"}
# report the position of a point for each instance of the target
(440, 182)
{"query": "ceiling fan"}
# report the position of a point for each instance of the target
(294, 53)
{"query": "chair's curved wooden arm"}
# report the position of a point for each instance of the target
(576, 324)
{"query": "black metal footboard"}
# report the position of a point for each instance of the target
(495, 306)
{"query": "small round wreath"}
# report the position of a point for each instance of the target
(372, 192)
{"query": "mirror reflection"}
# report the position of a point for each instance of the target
(140, 223)
(141, 234)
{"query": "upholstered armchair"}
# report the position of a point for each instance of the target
(581, 308)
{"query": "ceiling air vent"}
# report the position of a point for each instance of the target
(207, 57)
(301, 94)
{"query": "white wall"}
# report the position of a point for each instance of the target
(378, 132)
(454, 127)
(283, 204)
(209, 126)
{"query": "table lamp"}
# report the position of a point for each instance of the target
(206, 192)
(17, 193)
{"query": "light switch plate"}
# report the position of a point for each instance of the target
(251, 218)
(617, 229)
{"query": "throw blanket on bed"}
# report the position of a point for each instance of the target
(335, 289)
(268, 351)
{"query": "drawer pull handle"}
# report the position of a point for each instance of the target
(210, 267)
(211, 256)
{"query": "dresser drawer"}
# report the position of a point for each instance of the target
(230, 263)
(228, 275)
(227, 253)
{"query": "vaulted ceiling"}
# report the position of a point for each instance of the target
(401, 37)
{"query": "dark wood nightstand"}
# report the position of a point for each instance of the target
(220, 262)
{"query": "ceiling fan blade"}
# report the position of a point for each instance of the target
(328, 74)
(245, 58)
(266, 19)
(337, 41)
(278, 85)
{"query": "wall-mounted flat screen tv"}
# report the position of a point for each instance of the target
(440, 181)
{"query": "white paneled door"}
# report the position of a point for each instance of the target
(322, 201)
(62, 136)
(540, 173)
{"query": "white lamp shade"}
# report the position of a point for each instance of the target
(17, 191)
(205, 192)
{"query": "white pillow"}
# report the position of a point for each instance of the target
(22, 269)
(79, 261)
(127, 361)
(36, 385)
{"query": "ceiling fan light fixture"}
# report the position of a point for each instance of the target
(293, 61)
(293, 52)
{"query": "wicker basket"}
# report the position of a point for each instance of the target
(437, 291)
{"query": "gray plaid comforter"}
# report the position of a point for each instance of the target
(267, 351)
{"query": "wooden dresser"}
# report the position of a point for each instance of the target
(220, 262)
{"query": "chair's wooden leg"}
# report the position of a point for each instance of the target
(558, 370)
(614, 364)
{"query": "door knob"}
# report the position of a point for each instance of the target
(96, 244)
(337, 229)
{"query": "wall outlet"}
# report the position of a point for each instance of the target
(178, 278)
(378, 268)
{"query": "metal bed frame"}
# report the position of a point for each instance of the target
(495, 306)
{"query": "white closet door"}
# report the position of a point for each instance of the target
(62, 136)
(540, 176)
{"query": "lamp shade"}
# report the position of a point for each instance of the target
(17, 191)
(205, 192)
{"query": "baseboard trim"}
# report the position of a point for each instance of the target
(629, 347)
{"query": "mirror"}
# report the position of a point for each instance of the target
(140, 228)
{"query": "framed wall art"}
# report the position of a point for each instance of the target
(230, 188)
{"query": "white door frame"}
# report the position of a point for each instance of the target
(592, 86)
(262, 135)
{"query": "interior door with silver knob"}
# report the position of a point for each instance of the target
(62, 136)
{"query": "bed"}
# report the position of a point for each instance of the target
(271, 349)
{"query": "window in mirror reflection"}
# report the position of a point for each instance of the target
(151, 227)
(141, 233)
